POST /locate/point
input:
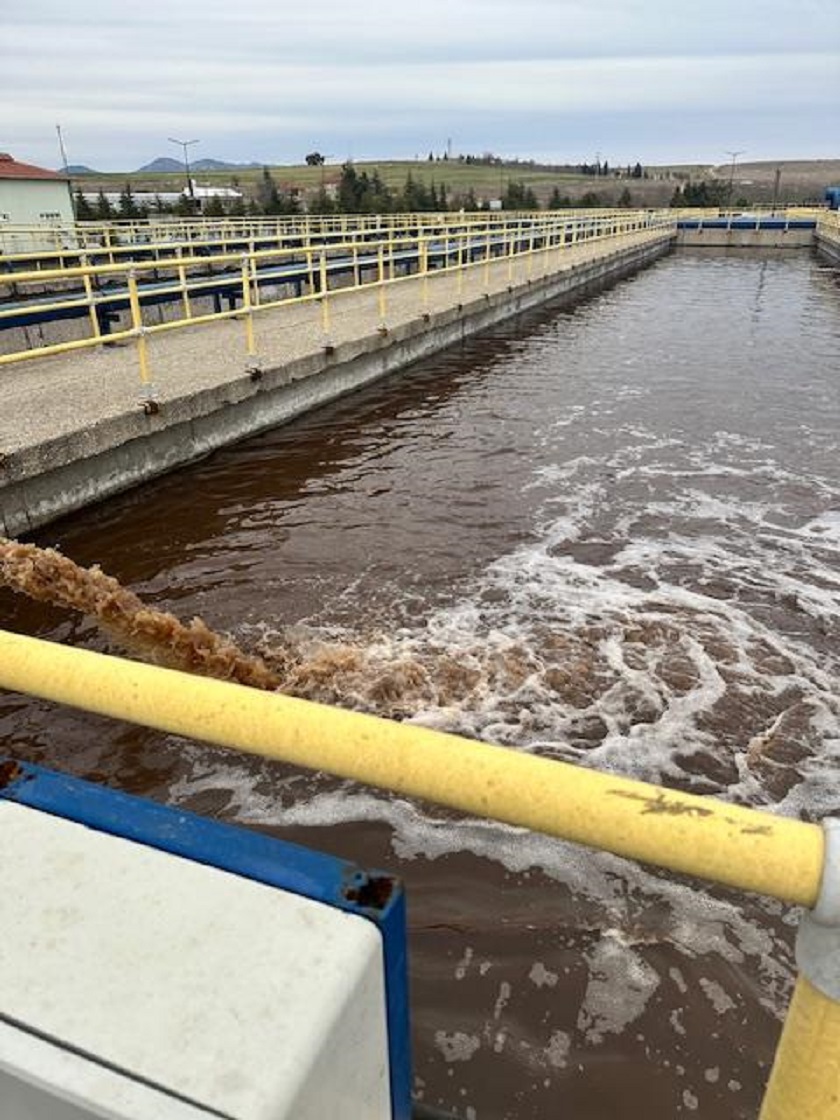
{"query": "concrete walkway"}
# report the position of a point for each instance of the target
(76, 406)
(50, 397)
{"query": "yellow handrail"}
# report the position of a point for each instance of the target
(187, 274)
(696, 835)
(683, 832)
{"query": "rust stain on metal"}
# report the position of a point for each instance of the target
(373, 893)
(659, 803)
(9, 772)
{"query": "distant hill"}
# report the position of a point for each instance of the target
(77, 169)
(165, 165)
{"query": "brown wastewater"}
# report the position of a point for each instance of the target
(608, 534)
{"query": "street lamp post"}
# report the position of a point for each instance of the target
(185, 144)
(734, 156)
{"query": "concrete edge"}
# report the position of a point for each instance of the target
(828, 247)
(41, 483)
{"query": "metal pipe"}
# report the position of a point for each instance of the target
(699, 836)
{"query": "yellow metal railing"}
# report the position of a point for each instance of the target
(113, 239)
(109, 240)
(320, 267)
(724, 843)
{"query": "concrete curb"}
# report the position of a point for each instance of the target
(45, 481)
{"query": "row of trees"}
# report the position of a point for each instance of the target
(361, 192)
(636, 171)
(715, 193)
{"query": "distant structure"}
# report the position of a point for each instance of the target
(32, 195)
(200, 196)
(203, 195)
(832, 197)
(149, 199)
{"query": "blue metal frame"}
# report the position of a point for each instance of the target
(747, 223)
(376, 896)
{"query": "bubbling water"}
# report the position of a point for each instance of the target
(667, 687)
(616, 542)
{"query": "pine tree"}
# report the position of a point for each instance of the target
(104, 209)
(267, 193)
(127, 208)
(82, 208)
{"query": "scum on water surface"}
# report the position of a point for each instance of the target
(611, 536)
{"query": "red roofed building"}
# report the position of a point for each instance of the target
(32, 195)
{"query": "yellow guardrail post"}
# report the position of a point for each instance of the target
(325, 298)
(310, 269)
(381, 280)
(91, 299)
(182, 280)
(424, 270)
(805, 1080)
(139, 332)
(255, 276)
(246, 305)
(357, 280)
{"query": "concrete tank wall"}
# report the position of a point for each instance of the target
(746, 238)
(64, 474)
(828, 245)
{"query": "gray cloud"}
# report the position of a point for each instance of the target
(651, 80)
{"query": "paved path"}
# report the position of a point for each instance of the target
(46, 398)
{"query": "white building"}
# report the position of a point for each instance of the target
(150, 199)
(32, 196)
(204, 194)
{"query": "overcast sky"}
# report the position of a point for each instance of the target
(268, 80)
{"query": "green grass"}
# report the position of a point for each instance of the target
(800, 179)
(487, 181)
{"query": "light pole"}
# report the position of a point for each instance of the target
(185, 145)
(731, 177)
(64, 166)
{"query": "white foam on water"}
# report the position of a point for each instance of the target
(541, 977)
(620, 984)
(502, 1000)
(826, 527)
(694, 648)
(690, 1101)
(557, 1051)
(616, 890)
(457, 1046)
(717, 997)
(463, 965)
